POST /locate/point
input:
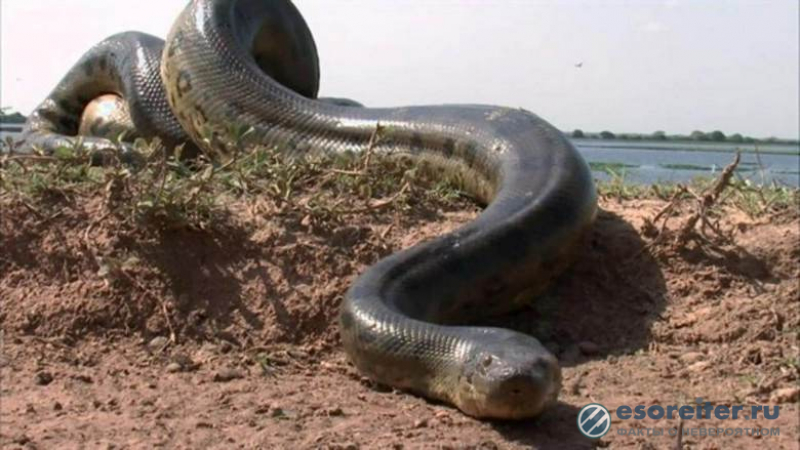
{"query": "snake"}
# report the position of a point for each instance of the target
(411, 321)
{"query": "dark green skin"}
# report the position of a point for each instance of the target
(253, 63)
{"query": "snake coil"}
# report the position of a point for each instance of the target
(253, 63)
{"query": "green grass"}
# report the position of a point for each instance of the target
(704, 168)
(169, 192)
(684, 167)
(754, 200)
(608, 167)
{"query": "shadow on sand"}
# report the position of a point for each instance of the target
(606, 303)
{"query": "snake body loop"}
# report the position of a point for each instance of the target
(253, 63)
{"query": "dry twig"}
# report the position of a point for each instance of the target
(706, 202)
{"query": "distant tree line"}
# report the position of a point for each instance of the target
(6, 116)
(697, 135)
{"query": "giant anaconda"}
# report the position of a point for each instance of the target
(253, 63)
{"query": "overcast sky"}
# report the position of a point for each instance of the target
(673, 65)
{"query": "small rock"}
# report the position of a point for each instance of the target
(43, 378)
(187, 363)
(225, 375)
(692, 357)
(83, 378)
(225, 347)
(203, 424)
(785, 395)
(335, 412)
(589, 348)
(277, 412)
(157, 344)
(699, 366)
(421, 423)
(174, 367)
(57, 406)
(441, 415)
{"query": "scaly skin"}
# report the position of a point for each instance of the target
(125, 65)
(253, 63)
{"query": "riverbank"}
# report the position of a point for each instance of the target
(198, 309)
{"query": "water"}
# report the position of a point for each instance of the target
(3, 135)
(654, 162)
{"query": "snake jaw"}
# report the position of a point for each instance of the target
(512, 378)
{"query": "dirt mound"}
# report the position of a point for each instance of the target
(257, 274)
(222, 335)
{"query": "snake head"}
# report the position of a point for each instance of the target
(509, 376)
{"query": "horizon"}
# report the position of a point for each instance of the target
(675, 66)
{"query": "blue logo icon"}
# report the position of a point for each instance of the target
(594, 420)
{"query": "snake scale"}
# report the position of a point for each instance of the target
(402, 323)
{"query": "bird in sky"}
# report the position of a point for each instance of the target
(579, 65)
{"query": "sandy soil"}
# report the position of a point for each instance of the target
(118, 337)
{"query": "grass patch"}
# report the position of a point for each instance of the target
(755, 200)
(704, 168)
(610, 166)
(166, 191)
(684, 167)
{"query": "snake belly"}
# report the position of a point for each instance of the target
(253, 63)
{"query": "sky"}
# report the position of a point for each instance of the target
(645, 65)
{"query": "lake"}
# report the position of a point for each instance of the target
(644, 162)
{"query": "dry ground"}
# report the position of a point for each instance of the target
(118, 336)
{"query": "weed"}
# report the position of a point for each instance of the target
(165, 190)
(169, 192)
